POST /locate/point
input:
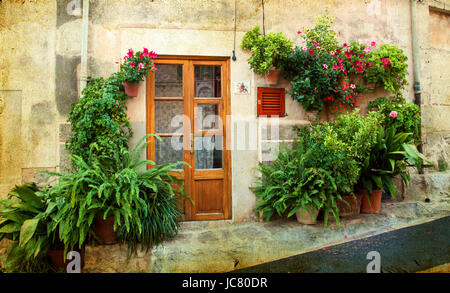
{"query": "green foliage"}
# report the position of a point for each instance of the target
(322, 33)
(136, 65)
(24, 216)
(358, 133)
(408, 116)
(442, 164)
(267, 50)
(389, 157)
(99, 118)
(389, 68)
(111, 186)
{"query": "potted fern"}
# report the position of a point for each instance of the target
(134, 68)
(268, 51)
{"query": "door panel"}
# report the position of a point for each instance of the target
(199, 89)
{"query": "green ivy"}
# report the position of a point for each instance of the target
(99, 118)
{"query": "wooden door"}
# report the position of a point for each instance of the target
(187, 106)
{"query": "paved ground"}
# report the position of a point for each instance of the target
(405, 250)
(220, 246)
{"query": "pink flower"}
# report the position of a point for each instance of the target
(125, 58)
(335, 66)
(145, 52)
(117, 103)
(130, 53)
(393, 114)
(373, 44)
(340, 59)
(345, 45)
(141, 56)
(332, 53)
(299, 32)
(316, 44)
(311, 53)
(325, 66)
(353, 86)
(132, 64)
(367, 50)
(154, 67)
(304, 48)
(141, 65)
(152, 55)
(361, 56)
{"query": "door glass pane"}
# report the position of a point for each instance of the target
(168, 116)
(208, 152)
(169, 150)
(208, 116)
(207, 81)
(169, 81)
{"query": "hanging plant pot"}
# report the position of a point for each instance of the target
(371, 205)
(308, 218)
(371, 85)
(344, 80)
(353, 208)
(131, 89)
(59, 260)
(358, 98)
(104, 229)
(312, 115)
(272, 76)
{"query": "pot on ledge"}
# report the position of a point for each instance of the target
(131, 89)
(272, 76)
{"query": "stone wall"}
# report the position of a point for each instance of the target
(40, 57)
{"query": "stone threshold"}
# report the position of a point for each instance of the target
(223, 246)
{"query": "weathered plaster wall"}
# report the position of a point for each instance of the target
(41, 42)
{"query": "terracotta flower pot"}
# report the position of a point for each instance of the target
(312, 115)
(351, 210)
(273, 76)
(371, 205)
(104, 229)
(308, 218)
(358, 98)
(131, 89)
(343, 80)
(59, 261)
(371, 85)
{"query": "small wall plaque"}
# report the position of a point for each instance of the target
(241, 87)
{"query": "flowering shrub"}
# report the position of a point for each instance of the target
(314, 74)
(388, 67)
(136, 65)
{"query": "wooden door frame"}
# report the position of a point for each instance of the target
(226, 96)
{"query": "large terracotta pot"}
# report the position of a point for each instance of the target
(104, 229)
(131, 89)
(59, 261)
(352, 209)
(371, 205)
(308, 218)
(273, 76)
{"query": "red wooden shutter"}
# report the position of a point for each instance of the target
(271, 102)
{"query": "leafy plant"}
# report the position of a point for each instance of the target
(389, 157)
(388, 67)
(24, 216)
(99, 118)
(322, 33)
(136, 65)
(267, 50)
(114, 185)
(401, 115)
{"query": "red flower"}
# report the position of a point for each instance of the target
(361, 56)
(311, 53)
(132, 64)
(141, 56)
